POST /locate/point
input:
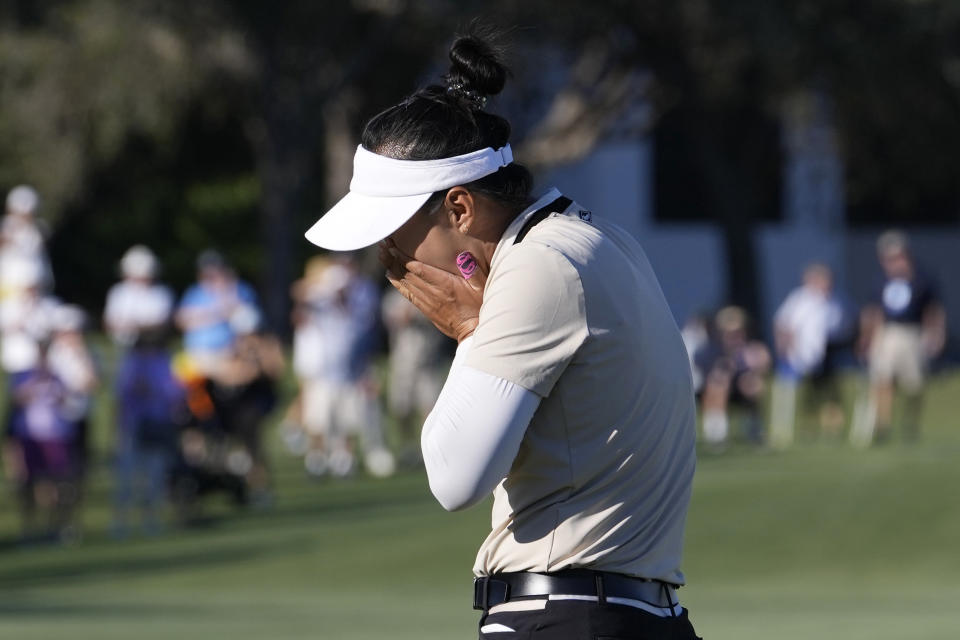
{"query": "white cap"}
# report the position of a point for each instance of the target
(385, 193)
(23, 199)
(138, 262)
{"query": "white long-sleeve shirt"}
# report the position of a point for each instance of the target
(472, 436)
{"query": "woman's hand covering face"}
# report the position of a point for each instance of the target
(451, 302)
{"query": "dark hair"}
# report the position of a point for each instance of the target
(449, 120)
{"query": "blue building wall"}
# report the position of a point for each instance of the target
(615, 181)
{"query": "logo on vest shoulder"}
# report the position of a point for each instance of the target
(585, 215)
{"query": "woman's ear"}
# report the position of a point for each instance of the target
(460, 206)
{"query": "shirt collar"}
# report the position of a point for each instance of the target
(508, 237)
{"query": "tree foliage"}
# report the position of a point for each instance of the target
(232, 123)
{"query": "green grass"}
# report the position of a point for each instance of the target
(822, 541)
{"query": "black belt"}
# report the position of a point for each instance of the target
(504, 587)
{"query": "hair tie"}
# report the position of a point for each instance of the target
(460, 90)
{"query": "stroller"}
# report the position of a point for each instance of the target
(219, 448)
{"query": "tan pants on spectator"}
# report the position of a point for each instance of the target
(897, 355)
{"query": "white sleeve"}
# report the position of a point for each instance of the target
(472, 436)
(783, 318)
(112, 308)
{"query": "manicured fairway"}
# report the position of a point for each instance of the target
(820, 542)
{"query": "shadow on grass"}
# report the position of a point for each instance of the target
(202, 544)
(86, 566)
(14, 606)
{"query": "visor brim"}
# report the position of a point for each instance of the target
(358, 221)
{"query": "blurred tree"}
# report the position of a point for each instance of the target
(232, 122)
(93, 100)
(89, 86)
(321, 67)
(724, 70)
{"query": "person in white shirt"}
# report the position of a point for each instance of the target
(337, 308)
(69, 359)
(26, 313)
(803, 326)
(570, 396)
(416, 357)
(137, 317)
(22, 239)
(137, 303)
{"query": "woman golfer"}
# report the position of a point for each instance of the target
(570, 395)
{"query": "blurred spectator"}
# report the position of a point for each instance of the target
(40, 452)
(415, 368)
(137, 304)
(150, 410)
(243, 394)
(337, 308)
(307, 343)
(71, 362)
(206, 310)
(22, 240)
(809, 327)
(733, 367)
(695, 334)
(25, 321)
(148, 399)
(210, 457)
(902, 329)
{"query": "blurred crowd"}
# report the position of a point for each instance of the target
(889, 344)
(337, 315)
(193, 381)
(197, 375)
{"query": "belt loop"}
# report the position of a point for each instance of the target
(601, 595)
(486, 595)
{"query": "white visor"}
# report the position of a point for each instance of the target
(385, 193)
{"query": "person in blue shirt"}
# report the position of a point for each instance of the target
(208, 310)
(902, 330)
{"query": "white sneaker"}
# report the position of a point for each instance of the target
(380, 463)
(316, 463)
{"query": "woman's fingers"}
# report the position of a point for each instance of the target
(451, 302)
(423, 294)
(388, 258)
(428, 273)
(401, 264)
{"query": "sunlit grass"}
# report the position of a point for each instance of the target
(820, 541)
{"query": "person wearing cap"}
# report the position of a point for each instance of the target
(902, 329)
(208, 308)
(137, 316)
(71, 361)
(22, 238)
(734, 368)
(137, 305)
(337, 309)
(809, 327)
(570, 395)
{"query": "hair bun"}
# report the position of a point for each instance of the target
(477, 71)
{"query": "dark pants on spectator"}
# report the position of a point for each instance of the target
(577, 620)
